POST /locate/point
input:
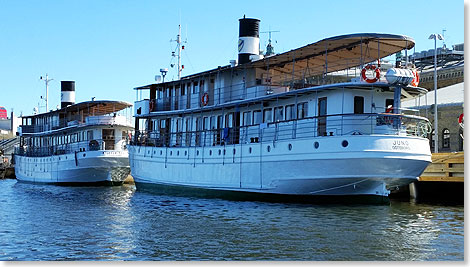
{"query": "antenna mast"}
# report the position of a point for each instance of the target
(179, 47)
(46, 80)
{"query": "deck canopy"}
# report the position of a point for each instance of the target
(322, 57)
(335, 53)
(88, 108)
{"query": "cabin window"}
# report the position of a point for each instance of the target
(388, 103)
(302, 110)
(195, 88)
(268, 115)
(257, 117)
(358, 105)
(206, 123)
(278, 114)
(90, 135)
(290, 115)
(220, 120)
(246, 118)
(183, 89)
(445, 138)
(212, 122)
(229, 120)
(162, 124)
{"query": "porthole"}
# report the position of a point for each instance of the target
(249, 150)
(210, 152)
(234, 151)
(154, 152)
(171, 153)
(185, 153)
(345, 143)
(197, 152)
(269, 148)
(224, 151)
(316, 145)
(220, 152)
(84, 155)
(161, 152)
(178, 153)
(289, 146)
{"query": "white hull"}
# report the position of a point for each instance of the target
(87, 168)
(368, 165)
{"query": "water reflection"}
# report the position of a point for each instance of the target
(119, 223)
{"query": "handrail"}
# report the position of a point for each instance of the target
(119, 144)
(329, 125)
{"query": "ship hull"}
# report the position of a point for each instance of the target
(367, 166)
(91, 167)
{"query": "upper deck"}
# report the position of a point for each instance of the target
(89, 113)
(312, 67)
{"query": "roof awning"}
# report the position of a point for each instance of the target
(93, 108)
(336, 53)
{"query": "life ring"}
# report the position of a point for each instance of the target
(373, 68)
(415, 80)
(205, 99)
(151, 104)
(461, 118)
(389, 109)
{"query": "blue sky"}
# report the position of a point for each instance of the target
(110, 47)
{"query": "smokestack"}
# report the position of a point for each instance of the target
(67, 93)
(248, 42)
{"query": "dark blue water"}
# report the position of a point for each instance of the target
(46, 222)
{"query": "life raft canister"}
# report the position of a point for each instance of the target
(373, 68)
(205, 99)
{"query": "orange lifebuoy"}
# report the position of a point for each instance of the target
(415, 80)
(205, 99)
(461, 118)
(373, 68)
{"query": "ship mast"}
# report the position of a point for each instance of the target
(46, 80)
(179, 48)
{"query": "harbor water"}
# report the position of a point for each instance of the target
(47, 222)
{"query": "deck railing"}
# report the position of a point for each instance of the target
(325, 126)
(82, 146)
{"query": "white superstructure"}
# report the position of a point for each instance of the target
(280, 125)
(84, 143)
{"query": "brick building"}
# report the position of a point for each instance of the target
(449, 107)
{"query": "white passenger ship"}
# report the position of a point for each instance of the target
(280, 125)
(84, 143)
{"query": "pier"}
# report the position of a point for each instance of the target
(441, 181)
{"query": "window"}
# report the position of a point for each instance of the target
(432, 140)
(278, 114)
(206, 123)
(358, 105)
(195, 88)
(388, 102)
(229, 120)
(290, 115)
(257, 117)
(302, 110)
(246, 118)
(183, 89)
(445, 138)
(268, 115)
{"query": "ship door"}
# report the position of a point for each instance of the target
(108, 139)
(236, 127)
(321, 128)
